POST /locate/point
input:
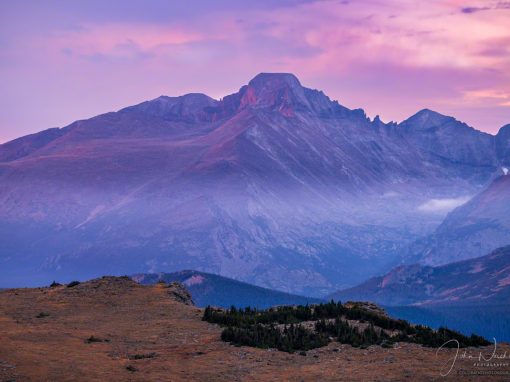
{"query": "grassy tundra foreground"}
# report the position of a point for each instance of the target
(112, 329)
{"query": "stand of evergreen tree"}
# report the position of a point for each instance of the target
(253, 327)
(289, 339)
(346, 334)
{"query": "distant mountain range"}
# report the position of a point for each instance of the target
(275, 185)
(481, 281)
(208, 289)
(470, 296)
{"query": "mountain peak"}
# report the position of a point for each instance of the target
(425, 119)
(428, 114)
(282, 91)
(275, 80)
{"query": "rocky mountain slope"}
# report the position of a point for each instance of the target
(209, 289)
(471, 230)
(114, 329)
(480, 281)
(275, 185)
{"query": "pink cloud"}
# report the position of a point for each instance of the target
(390, 57)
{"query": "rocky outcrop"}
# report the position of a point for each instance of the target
(179, 293)
(366, 306)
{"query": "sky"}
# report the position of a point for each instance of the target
(66, 60)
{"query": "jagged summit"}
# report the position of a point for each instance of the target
(282, 91)
(275, 81)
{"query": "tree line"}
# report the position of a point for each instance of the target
(280, 328)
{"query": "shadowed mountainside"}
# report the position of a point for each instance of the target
(480, 281)
(215, 290)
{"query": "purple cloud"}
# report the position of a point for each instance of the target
(474, 9)
(495, 5)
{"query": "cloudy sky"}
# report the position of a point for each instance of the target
(67, 60)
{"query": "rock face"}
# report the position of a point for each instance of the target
(367, 306)
(481, 281)
(179, 293)
(275, 185)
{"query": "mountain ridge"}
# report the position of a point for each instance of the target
(479, 281)
(260, 83)
(286, 189)
(267, 89)
(210, 289)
